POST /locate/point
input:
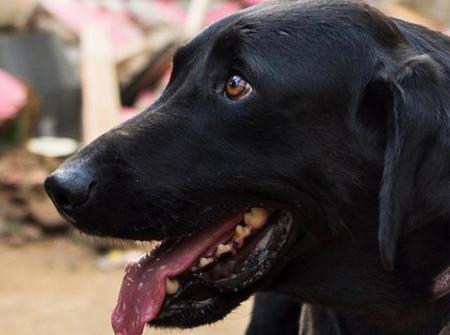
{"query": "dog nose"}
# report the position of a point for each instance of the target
(69, 188)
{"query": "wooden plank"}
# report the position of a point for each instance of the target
(99, 82)
(195, 18)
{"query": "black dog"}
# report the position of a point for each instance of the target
(319, 131)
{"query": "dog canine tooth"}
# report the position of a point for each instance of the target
(204, 261)
(256, 216)
(172, 286)
(222, 249)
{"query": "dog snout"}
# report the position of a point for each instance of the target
(70, 188)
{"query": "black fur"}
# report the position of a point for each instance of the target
(274, 314)
(347, 128)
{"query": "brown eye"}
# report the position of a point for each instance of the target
(237, 88)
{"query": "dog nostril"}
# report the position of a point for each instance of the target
(70, 188)
(62, 200)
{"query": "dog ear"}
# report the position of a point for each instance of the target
(409, 104)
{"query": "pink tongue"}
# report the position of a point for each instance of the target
(144, 285)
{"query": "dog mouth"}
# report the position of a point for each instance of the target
(223, 261)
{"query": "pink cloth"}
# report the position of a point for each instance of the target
(76, 14)
(13, 96)
(221, 11)
(252, 2)
(171, 10)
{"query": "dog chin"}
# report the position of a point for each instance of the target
(189, 314)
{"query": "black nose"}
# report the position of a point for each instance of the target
(69, 188)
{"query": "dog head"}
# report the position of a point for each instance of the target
(317, 120)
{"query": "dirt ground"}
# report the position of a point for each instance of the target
(55, 288)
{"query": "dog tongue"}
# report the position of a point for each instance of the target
(144, 286)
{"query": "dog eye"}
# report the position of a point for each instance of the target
(237, 88)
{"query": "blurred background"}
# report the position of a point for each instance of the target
(70, 70)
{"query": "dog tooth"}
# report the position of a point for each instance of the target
(204, 261)
(241, 232)
(256, 216)
(172, 286)
(222, 249)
